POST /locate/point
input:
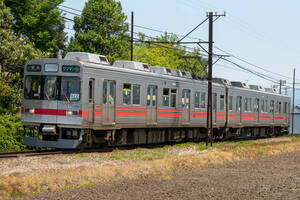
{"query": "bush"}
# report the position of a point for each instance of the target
(11, 131)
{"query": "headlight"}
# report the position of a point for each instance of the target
(31, 111)
(69, 112)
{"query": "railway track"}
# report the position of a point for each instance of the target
(102, 150)
(31, 153)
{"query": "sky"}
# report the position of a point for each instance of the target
(264, 33)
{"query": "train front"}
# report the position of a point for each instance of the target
(51, 108)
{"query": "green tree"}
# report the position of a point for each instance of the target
(14, 53)
(101, 29)
(40, 21)
(170, 55)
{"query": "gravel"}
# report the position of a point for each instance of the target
(274, 177)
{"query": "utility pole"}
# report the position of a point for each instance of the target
(210, 16)
(209, 120)
(209, 92)
(293, 109)
(131, 41)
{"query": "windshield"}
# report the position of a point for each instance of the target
(32, 87)
(52, 88)
(70, 89)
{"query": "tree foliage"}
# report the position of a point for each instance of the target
(14, 52)
(101, 29)
(11, 132)
(40, 21)
(170, 55)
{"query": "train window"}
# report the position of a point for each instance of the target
(238, 103)
(202, 100)
(256, 105)
(214, 101)
(50, 88)
(148, 96)
(166, 97)
(136, 91)
(112, 92)
(262, 106)
(91, 90)
(70, 88)
(104, 96)
(49, 67)
(154, 93)
(250, 104)
(222, 102)
(285, 107)
(197, 99)
(245, 104)
(185, 101)
(173, 98)
(32, 88)
(126, 93)
(272, 106)
(230, 103)
(267, 106)
(279, 107)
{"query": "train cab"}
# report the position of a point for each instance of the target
(51, 108)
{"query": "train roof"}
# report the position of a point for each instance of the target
(100, 61)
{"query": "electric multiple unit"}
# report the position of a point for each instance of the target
(82, 101)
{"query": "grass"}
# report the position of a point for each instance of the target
(139, 154)
(161, 163)
(80, 155)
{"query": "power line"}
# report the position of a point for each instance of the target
(70, 8)
(250, 71)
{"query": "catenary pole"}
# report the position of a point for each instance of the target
(209, 92)
(131, 41)
(293, 109)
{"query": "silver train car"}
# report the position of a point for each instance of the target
(83, 101)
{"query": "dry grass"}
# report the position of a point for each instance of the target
(161, 163)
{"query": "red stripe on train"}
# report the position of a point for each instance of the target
(199, 111)
(264, 117)
(132, 114)
(247, 117)
(198, 116)
(43, 111)
(166, 110)
(98, 113)
(278, 118)
(169, 115)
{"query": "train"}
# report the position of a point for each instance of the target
(83, 101)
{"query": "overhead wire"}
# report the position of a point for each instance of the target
(266, 77)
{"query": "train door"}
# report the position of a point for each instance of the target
(109, 102)
(91, 103)
(185, 102)
(152, 104)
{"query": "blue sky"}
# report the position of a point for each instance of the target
(265, 33)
